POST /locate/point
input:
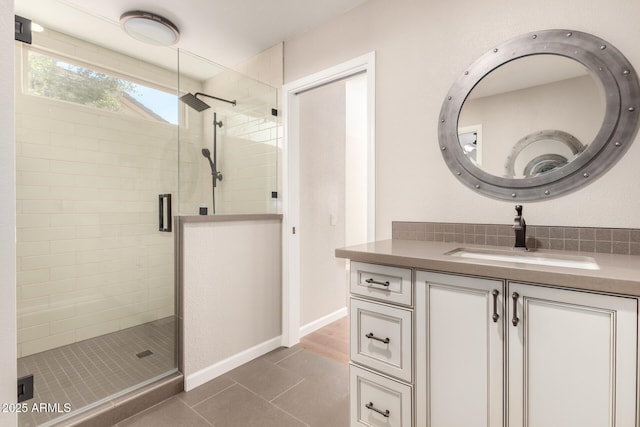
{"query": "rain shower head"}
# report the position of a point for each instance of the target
(194, 102)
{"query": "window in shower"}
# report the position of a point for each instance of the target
(60, 78)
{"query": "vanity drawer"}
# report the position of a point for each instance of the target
(372, 395)
(381, 282)
(381, 338)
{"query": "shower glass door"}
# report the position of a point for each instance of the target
(97, 144)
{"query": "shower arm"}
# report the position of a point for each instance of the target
(215, 97)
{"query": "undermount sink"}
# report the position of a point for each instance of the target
(526, 257)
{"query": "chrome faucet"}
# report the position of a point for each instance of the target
(520, 228)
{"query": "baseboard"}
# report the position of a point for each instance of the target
(323, 321)
(211, 372)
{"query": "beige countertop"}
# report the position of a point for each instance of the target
(619, 274)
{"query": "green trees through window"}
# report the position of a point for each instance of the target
(53, 78)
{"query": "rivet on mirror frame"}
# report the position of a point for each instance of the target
(495, 50)
(477, 185)
(603, 47)
(586, 175)
(466, 73)
(535, 36)
(513, 195)
(618, 144)
(631, 109)
(626, 72)
(450, 98)
(547, 192)
(569, 34)
(443, 148)
(458, 173)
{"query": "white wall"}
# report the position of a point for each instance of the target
(232, 295)
(421, 48)
(265, 66)
(8, 373)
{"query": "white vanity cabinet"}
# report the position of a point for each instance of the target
(541, 356)
(459, 351)
(381, 342)
(571, 357)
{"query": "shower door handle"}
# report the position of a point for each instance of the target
(164, 206)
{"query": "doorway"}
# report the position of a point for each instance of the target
(329, 190)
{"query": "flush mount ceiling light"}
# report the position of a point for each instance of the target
(149, 28)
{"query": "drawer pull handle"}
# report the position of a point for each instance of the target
(385, 414)
(373, 337)
(375, 282)
(515, 319)
(495, 316)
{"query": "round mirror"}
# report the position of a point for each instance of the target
(539, 115)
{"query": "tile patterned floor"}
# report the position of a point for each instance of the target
(294, 387)
(88, 371)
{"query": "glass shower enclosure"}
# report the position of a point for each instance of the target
(96, 143)
(106, 153)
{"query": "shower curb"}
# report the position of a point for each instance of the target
(123, 407)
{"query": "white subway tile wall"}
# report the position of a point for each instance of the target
(90, 257)
(248, 147)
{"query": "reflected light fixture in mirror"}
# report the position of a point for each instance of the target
(149, 28)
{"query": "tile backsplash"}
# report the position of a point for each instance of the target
(624, 241)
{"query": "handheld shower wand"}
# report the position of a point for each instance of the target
(206, 153)
(214, 173)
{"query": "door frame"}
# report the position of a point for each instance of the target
(291, 179)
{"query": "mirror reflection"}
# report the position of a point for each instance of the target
(531, 115)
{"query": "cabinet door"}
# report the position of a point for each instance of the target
(460, 351)
(572, 358)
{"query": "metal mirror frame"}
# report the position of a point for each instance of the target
(619, 127)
